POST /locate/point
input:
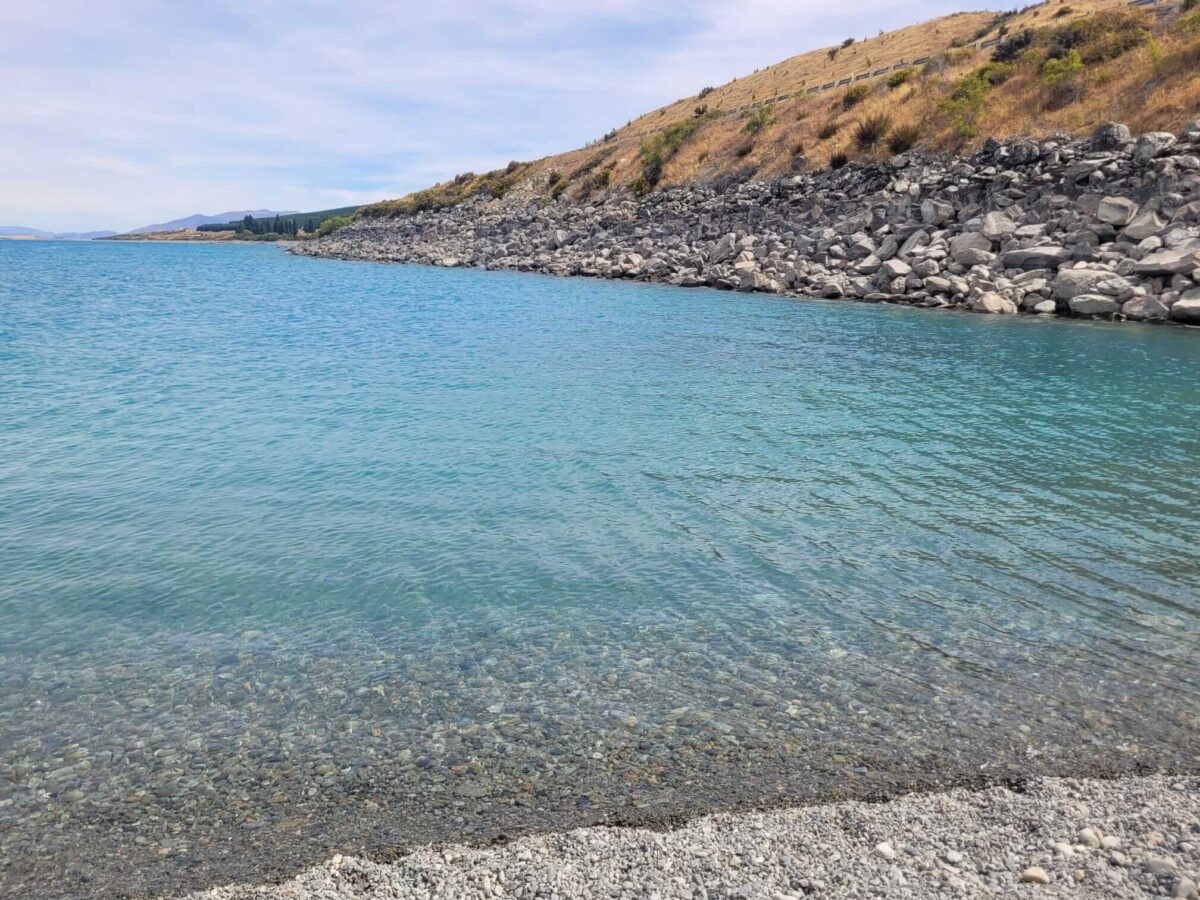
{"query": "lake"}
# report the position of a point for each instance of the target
(300, 556)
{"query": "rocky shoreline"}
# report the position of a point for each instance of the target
(1107, 227)
(1128, 837)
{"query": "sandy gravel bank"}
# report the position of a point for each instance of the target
(1131, 837)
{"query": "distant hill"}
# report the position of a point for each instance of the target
(948, 85)
(20, 231)
(220, 218)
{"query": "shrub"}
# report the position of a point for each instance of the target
(700, 110)
(966, 98)
(744, 149)
(1189, 5)
(904, 137)
(1064, 11)
(1056, 71)
(657, 151)
(958, 42)
(1098, 38)
(828, 130)
(847, 42)
(1011, 48)
(555, 178)
(704, 92)
(838, 161)
(330, 225)
(899, 77)
(872, 130)
(855, 96)
(759, 118)
(798, 148)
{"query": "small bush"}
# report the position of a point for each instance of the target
(828, 130)
(657, 151)
(838, 161)
(872, 130)
(855, 96)
(966, 99)
(904, 137)
(1189, 5)
(759, 118)
(958, 42)
(847, 42)
(897, 78)
(1056, 71)
(704, 92)
(1064, 11)
(701, 110)
(744, 149)
(329, 226)
(1011, 49)
(798, 148)
(1098, 38)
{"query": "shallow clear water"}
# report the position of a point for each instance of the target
(300, 555)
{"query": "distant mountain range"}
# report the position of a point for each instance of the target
(218, 219)
(20, 231)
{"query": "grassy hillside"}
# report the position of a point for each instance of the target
(946, 84)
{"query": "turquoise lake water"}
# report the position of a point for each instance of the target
(300, 555)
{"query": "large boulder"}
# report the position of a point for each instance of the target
(993, 303)
(1187, 310)
(1073, 282)
(1152, 144)
(970, 249)
(1145, 224)
(1094, 305)
(936, 212)
(1116, 211)
(1145, 309)
(1181, 261)
(997, 226)
(1110, 136)
(1048, 256)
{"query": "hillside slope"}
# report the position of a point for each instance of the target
(946, 84)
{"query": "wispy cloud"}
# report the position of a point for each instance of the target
(131, 111)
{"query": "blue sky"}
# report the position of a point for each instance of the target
(126, 112)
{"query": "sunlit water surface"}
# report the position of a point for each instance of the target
(298, 556)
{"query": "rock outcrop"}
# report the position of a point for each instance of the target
(1105, 227)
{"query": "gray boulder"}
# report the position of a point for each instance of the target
(1094, 305)
(1116, 211)
(1071, 283)
(1186, 310)
(1145, 309)
(1153, 144)
(1144, 225)
(1110, 136)
(997, 226)
(1048, 256)
(1168, 262)
(970, 248)
(993, 303)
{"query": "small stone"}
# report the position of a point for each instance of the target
(1110, 842)
(1035, 875)
(885, 851)
(1088, 838)
(954, 857)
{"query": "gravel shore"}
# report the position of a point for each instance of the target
(1128, 837)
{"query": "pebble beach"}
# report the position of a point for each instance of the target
(1118, 838)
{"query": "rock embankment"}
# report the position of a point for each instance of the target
(1133, 837)
(1106, 227)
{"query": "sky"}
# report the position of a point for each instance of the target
(114, 115)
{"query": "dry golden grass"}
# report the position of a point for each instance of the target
(1154, 86)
